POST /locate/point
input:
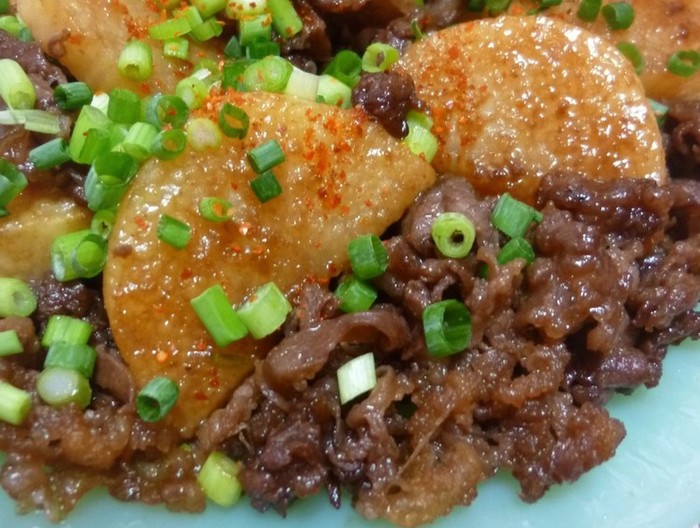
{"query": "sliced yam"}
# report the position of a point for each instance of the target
(514, 98)
(37, 216)
(343, 176)
(88, 37)
(660, 28)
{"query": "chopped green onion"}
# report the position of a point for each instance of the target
(416, 30)
(136, 61)
(78, 357)
(447, 327)
(97, 142)
(265, 156)
(420, 139)
(660, 111)
(355, 295)
(218, 479)
(11, 24)
(476, 5)
(176, 48)
(10, 343)
(356, 377)
(265, 311)
(333, 92)
(190, 14)
(117, 133)
(156, 399)
(259, 49)
(233, 121)
(513, 217)
(266, 186)
(589, 9)
(169, 144)
(618, 15)
(368, 256)
(124, 106)
(302, 84)
(255, 28)
(516, 248)
(208, 8)
(453, 234)
(215, 209)
(233, 49)
(138, 141)
(170, 28)
(59, 386)
(270, 74)
(108, 179)
(193, 91)
(164, 110)
(633, 54)
(12, 182)
(684, 63)
(496, 7)
(285, 19)
(232, 75)
(78, 254)
(218, 316)
(89, 118)
(203, 134)
(240, 9)
(5, 6)
(549, 3)
(207, 30)
(346, 66)
(50, 154)
(100, 101)
(379, 57)
(14, 404)
(66, 329)
(15, 87)
(72, 95)
(42, 121)
(173, 231)
(102, 222)
(16, 298)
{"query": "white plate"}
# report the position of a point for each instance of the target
(653, 480)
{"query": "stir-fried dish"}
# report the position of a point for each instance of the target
(281, 248)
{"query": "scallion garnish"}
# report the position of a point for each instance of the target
(208, 8)
(50, 154)
(124, 106)
(333, 92)
(265, 311)
(240, 9)
(420, 139)
(368, 256)
(207, 30)
(164, 110)
(346, 66)
(218, 316)
(108, 179)
(233, 49)
(266, 186)
(176, 48)
(618, 15)
(66, 329)
(285, 19)
(660, 111)
(192, 90)
(16, 298)
(379, 57)
(173, 231)
(202, 134)
(139, 140)
(516, 248)
(72, 356)
(270, 74)
(447, 327)
(302, 84)
(589, 9)
(355, 295)
(513, 217)
(633, 54)
(233, 121)
(156, 399)
(215, 209)
(10, 343)
(59, 386)
(12, 182)
(356, 377)
(265, 156)
(15, 87)
(259, 49)
(496, 7)
(78, 254)
(136, 61)
(453, 234)
(253, 28)
(15, 404)
(89, 118)
(170, 28)
(72, 95)
(684, 63)
(169, 144)
(218, 479)
(102, 222)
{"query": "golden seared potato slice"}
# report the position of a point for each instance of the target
(660, 28)
(514, 98)
(37, 216)
(343, 176)
(88, 37)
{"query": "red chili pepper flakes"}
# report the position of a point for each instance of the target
(162, 356)
(200, 395)
(140, 222)
(186, 274)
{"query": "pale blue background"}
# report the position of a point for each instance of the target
(653, 481)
